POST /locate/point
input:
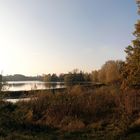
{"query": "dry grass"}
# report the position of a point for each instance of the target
(103, 111)
(78, 104)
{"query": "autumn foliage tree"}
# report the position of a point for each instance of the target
(131, 73)
(94, 76)
(110, 73)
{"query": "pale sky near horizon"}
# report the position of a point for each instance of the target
(57, 36)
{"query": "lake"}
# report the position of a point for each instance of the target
(31, 85)
(17, 100)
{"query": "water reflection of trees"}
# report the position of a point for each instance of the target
(51, 85)
(32, 86)
(17, 84)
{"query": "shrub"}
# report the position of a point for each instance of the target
(51, 109)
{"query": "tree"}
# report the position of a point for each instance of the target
(131, 72)
(61, 77)
(54, 78)
(76, 77)
(138, 2)
(94, 76)
(51, 78)
(110, 73)
(47, 78)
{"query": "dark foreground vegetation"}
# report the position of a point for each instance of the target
(101, 114)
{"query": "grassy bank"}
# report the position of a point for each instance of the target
(80, 113)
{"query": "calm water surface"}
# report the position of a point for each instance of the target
(17, 100)
(31, 85)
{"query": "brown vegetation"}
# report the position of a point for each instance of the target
(105, 112)
(78, 109)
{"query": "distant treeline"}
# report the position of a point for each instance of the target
(19, 77)
(74, 77)
(110, 72)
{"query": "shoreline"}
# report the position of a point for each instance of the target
(25, 94)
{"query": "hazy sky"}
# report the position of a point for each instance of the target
(54, 36)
